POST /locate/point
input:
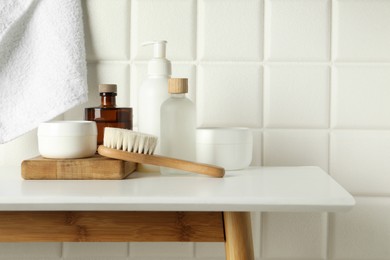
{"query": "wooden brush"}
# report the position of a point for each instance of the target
(138, 147)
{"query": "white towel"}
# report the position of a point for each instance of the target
(42, 62)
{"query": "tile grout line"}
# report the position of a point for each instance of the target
(196, 31)
(130, 9)
(327, 227)
(196, 62)
(196, 39)
(263, 91)
(62, 250)
(262, 137)
(325, 249)
(129, 74)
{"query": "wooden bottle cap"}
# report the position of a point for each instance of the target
(104, 88)
(177, 85)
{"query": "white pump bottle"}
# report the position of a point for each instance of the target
(154, 90)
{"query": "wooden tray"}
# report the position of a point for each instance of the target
(93, 168)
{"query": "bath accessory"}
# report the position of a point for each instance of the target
(107, 114)
(178, 124)
(137, 147)
(229, 147)
(67, 139)
(42, 63)
(154, 90)
(92, 168)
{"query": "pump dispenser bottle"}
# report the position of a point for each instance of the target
(178, 124)
(153, 91)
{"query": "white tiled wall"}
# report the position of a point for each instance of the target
(310, 77)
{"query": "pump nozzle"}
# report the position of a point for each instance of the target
(159, 48)
(159, 65)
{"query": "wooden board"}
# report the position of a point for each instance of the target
(92, 168)
(111, 226)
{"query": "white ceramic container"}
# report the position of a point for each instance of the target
(230, 147)
(67, 139)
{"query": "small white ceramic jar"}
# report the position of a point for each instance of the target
(230, 148)
(67, 139)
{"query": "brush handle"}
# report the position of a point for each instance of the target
(158, 160)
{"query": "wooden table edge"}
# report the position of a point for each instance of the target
(233, 228)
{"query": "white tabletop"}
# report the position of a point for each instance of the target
(253, 189)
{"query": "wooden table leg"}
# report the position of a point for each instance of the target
(238, 235)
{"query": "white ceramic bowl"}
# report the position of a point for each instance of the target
(67, 139)
(230, 148)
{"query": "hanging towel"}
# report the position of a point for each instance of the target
(42, 62)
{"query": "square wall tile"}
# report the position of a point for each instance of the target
(362, 233)
(181, 70)
(256, 231)
(359, 161)
(162, 249)
(34, 258)
(296, 96)
(208, 250)
(170, 20)
(104, 73)
(90, 258)
(32, 250)
(107, 29)
(360, 96)
(230, 30)
(229, 95)
(139, 74)
(257, 153)
(101, 249)
(361, 31)
(2, 155)
(293, 235)
(296, 148)
(297, 30)
(19, 149)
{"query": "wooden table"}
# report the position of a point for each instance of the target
(151, 207)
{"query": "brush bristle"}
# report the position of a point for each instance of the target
(128, 140)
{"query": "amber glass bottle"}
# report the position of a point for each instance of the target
(107, 114)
